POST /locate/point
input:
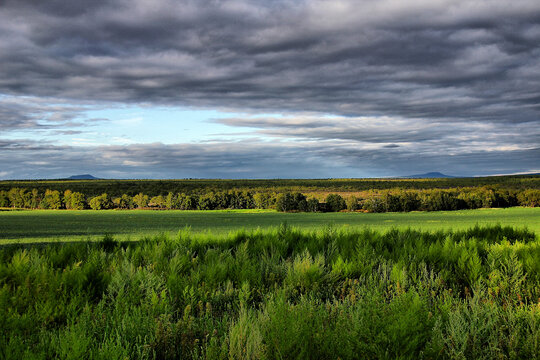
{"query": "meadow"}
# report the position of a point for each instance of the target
(262, 284)
(282, 293)
(73, 225)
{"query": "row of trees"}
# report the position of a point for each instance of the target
(437, 200)
(395, 200)
(116, 188)
(399, 200)
(53, 199)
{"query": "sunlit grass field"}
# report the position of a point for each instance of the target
(203, 285)
(276, 294)
(51, 225)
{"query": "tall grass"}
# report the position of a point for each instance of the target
(277, 294)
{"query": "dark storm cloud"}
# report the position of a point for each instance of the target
(429, 59)
(440, 85)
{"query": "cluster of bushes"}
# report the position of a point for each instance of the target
(279, 294)
(399, 200)
(395, 200)
(453, 199)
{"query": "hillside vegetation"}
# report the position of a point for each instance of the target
(151, 188)
(282, 195)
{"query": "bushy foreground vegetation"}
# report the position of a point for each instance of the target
(395, 200)
(280, 294)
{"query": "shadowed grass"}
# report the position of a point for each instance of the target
(50, 225)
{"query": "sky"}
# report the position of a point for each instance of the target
(268, 88)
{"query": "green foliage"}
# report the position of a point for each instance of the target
(313, 205)
(354, 203)
(171, 201)
(245, 337)
(264, 200)
(123, 202)
(470, 266)
(277, 294)
(283, 195)
(115, 188)
(157, 201)
(188, 202)
(51, 200)
(141, 200)
(74, 200)
(477, 329)
(375, 205)
(334, 203)
(291, 202)
(19, 198)
(4, 199)
(305, 273)
(530, 197)
(437, 200)
(100, 202)
(78, 201)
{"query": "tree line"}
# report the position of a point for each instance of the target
(394, 200)
(116, 188)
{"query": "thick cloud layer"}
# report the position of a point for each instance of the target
(437, 135)
(250, 159)
(431, 59)
(424, 76)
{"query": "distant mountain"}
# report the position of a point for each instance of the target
(429, 175)
(82, 177)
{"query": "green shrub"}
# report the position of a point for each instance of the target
(305, 272)
(276, 294)
(334, 203)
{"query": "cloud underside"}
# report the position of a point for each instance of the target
(430, 59)
(363, 85)
(250, 159)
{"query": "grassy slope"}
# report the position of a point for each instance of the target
(50, 225)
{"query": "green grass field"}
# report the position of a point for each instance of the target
(50, 225)
(301, 291)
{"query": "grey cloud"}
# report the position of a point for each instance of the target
(419, 134)
(228, 160)
(429, 59)
(417, 83)
(25, 113)
(252, 159)
(68, 132)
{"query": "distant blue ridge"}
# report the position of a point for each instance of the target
(82, 177)
(429, 175)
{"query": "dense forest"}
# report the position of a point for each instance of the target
(116, 188)
(393, 200)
